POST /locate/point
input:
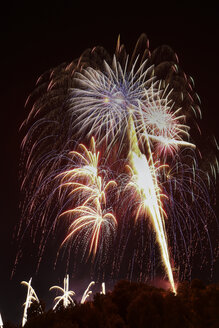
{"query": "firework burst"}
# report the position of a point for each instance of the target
(66, 298)
(92, 119)
(91, 216)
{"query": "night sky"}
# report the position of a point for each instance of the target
(37, 37)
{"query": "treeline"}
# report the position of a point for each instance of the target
(136, 305)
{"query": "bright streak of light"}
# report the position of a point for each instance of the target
(144, 181)
(168, 141)
(31, 297)
(103, 291)
(1, 322)
(87, 292)
(66, 297)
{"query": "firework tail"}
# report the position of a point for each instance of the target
(146, 183)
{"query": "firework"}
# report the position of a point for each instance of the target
(90, 121)
(87, 292)
(92, 220)
(91, 216)
(31, 297)
(65, 299)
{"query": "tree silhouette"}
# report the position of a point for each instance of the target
(35, 309)
(136, 305)
(9, 324)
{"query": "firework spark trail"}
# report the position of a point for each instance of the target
(144, 181)
(85, 179)
(91, 215)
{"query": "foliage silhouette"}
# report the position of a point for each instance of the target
(137, 305)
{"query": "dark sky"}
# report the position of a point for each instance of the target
(37, 37)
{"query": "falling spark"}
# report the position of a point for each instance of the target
(66, 297)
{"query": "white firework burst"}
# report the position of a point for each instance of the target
(102, 103)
